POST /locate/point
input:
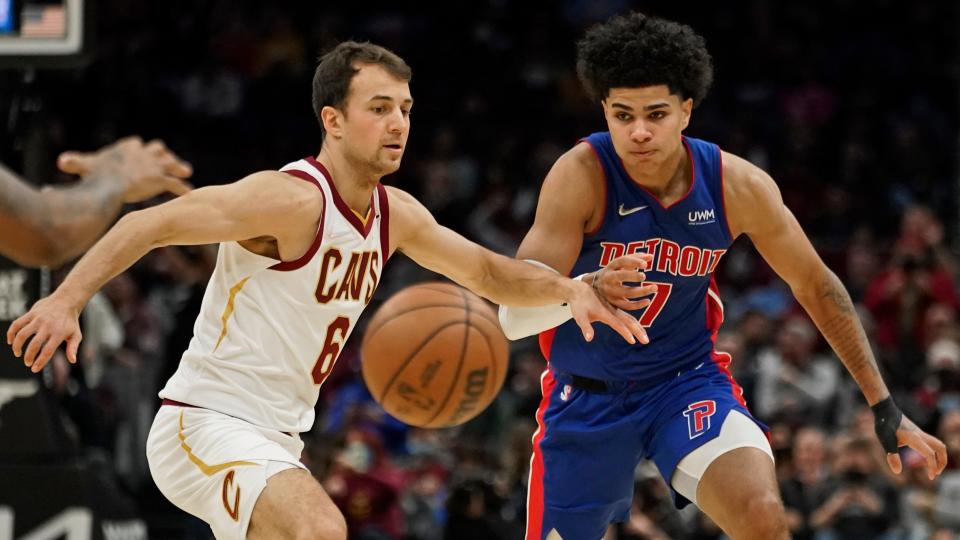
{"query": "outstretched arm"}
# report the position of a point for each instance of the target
(263, 204)
(500, 279)
(50, 226)
(756, 208)
(571, 203)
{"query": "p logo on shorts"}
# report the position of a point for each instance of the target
(698, 417)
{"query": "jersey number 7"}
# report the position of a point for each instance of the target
(656, 303)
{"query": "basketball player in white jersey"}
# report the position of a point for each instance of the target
(301, 252)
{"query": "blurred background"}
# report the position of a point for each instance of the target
(851, 107)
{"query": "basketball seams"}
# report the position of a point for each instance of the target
(492, 357)
(463, 352)
(412, 355)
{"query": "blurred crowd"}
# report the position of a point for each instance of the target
(855, 116)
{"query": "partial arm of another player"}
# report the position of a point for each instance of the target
(756, 208)
(567, 204)
(263, 204)
(500, 279)
(48, 227)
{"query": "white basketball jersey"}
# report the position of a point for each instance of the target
(269, 332)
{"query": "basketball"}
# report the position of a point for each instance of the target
(434, 356)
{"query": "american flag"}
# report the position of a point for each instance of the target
(43, 21)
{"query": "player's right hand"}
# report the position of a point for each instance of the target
(144, 170)
(587, 308)
(50, 322)
(621, 282)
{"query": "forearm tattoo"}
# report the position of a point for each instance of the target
(840, 324)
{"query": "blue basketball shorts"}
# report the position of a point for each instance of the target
(588, 443)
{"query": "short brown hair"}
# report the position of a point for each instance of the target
(336, 69)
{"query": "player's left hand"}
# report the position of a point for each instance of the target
(932, 449)
(621, 282)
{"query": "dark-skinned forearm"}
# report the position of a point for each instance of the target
(49, 227)
(831, 308)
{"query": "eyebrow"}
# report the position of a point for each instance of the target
(378, 97)
(651, 107)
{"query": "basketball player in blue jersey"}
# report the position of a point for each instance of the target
(645, 214)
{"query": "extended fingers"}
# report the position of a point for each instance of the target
(939, 450)
(21, 335)
(612, 321)
(46, 353)
(920, 445)
(175, 185)
(78, 163)
(585, 327)
(636, 261)
(33, 348)
(15, 327)
(634, 326)
(893, 460)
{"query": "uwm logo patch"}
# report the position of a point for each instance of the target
(702, 216)
(698, 417)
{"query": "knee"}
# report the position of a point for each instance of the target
(322, 528)
(765, 516)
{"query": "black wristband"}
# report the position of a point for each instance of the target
(886, 421)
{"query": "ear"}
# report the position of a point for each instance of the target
(686, 108)
(332, 120)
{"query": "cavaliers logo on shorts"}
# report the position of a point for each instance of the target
(234, 511)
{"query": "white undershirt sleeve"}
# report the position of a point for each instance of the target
(520, 322)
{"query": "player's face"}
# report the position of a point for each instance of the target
(376, 120)
(645, 124)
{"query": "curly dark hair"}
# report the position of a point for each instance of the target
(336, 69)
(635, 50)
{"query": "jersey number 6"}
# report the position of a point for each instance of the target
(336, 334)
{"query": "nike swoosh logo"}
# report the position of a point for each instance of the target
(628, 211)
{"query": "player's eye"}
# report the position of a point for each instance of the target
(405, 112)
(379, 110)
(623, 117)
(657, 115)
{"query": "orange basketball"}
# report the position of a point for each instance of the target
(434, 356)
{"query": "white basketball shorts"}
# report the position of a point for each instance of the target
(214, 466)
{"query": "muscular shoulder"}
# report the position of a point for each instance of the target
(577, 170)
(752, 198)
(291, 200)
(574, 186)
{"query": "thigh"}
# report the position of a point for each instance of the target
(291, 503)
(581, 475)
(739, 492)
(692, 415)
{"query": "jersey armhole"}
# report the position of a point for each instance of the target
(286, 266)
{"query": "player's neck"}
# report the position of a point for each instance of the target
(354, 185)
(668, 180)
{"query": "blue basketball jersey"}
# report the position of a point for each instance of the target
(687, 240)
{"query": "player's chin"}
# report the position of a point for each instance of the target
(388, 165)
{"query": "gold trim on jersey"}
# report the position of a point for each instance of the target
(363, 219)
(228, 310)
(208, 470)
